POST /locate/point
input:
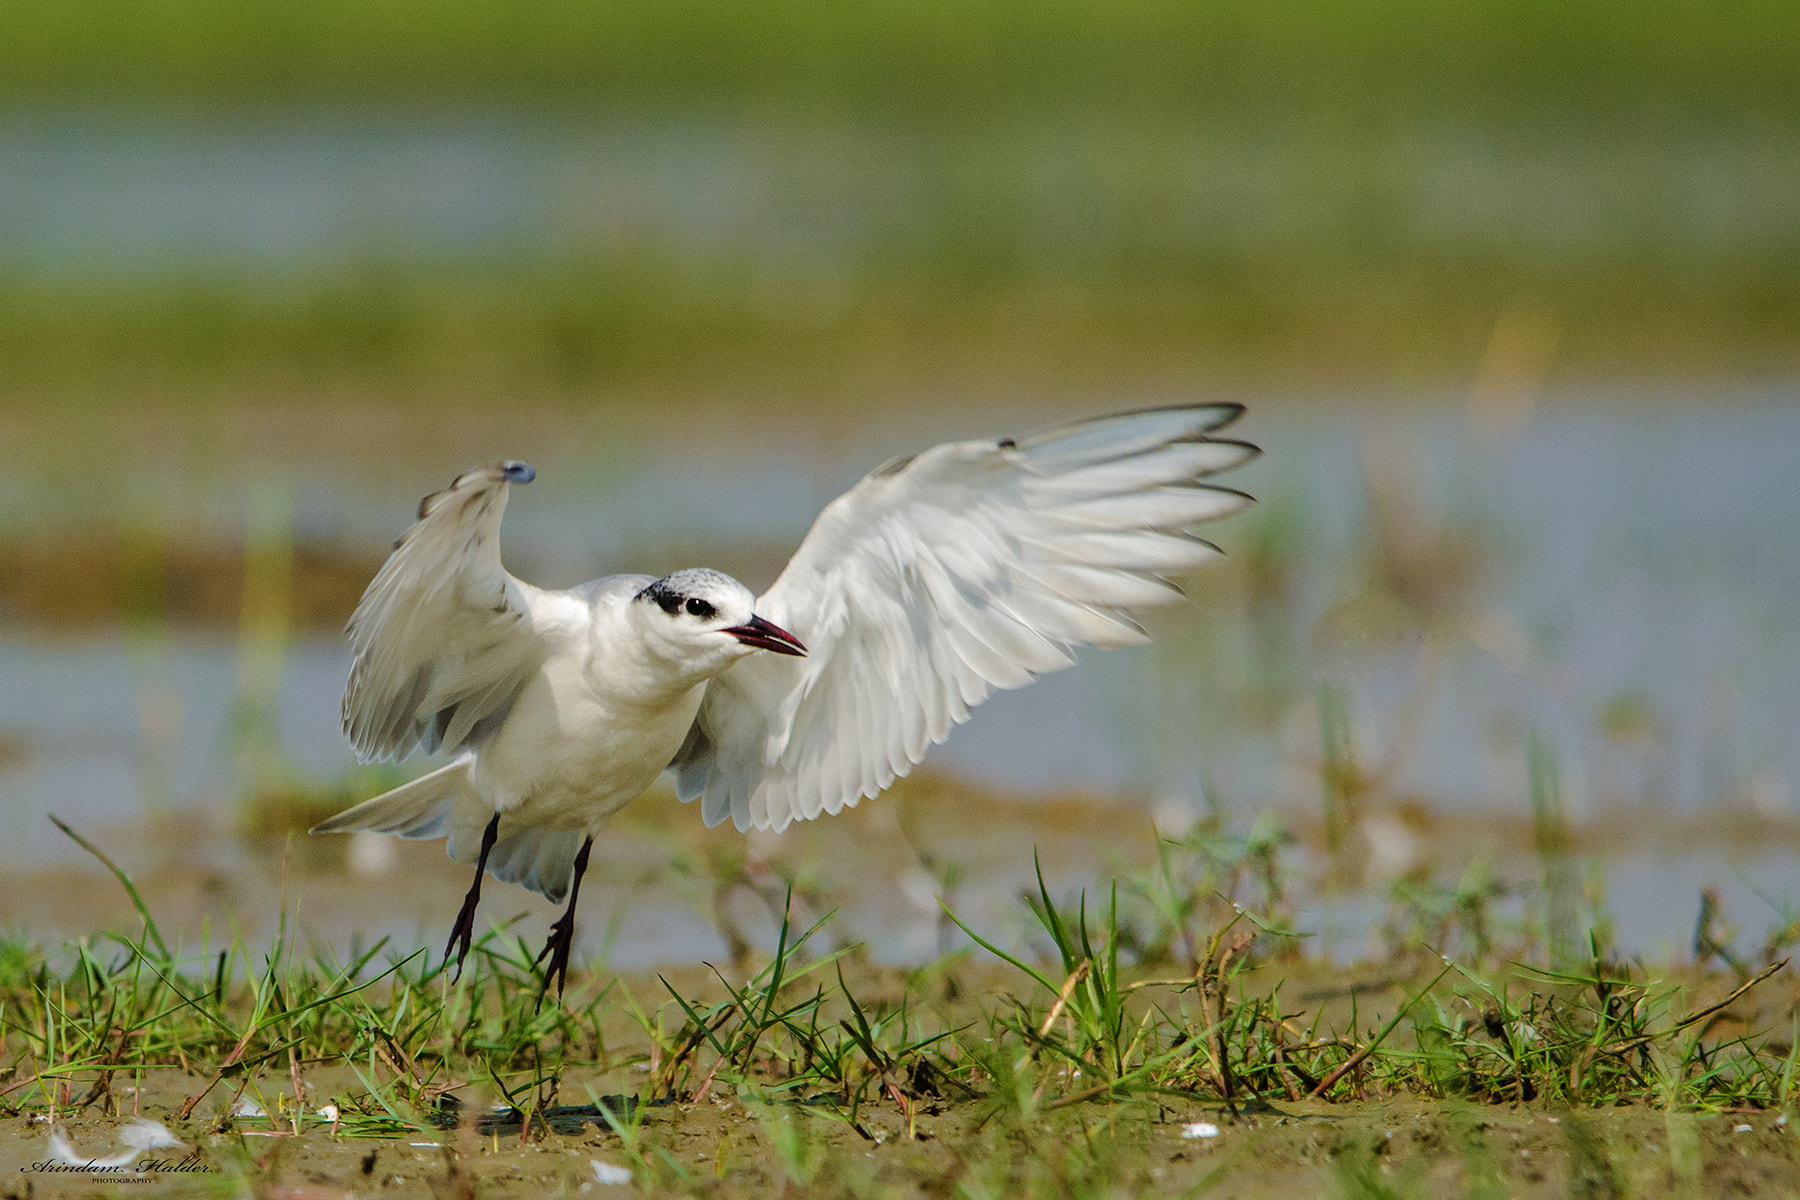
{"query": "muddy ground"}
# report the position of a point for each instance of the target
(951, 1144)
(722, 1148)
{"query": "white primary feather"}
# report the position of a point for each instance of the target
(443, 635)
(941, 578)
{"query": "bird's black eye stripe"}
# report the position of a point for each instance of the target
(697, 607)
(663, 596)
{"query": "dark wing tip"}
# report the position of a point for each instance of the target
(1224, 412)
(1251, 450)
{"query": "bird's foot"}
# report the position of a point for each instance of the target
(464, 929)
(557, 949)
(562, 933)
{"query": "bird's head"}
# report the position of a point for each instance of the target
(704, 620)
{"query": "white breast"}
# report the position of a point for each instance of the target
(591, 730)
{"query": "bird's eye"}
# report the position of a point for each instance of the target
(697, 607)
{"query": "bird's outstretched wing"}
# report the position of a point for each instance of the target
(443, 634)
(940, 578)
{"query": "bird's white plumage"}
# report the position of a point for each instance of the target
(939, 579)
(443, 635)
(935, 581)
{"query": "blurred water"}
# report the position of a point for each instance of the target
(115, 193)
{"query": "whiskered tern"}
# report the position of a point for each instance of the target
(935, 581)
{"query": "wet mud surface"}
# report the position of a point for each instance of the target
(725, 1148)
(240, 1139)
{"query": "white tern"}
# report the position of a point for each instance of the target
(938, 579)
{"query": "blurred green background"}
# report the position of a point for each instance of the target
(909, 195)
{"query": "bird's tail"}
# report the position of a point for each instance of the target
(442, 804)
(420, 809)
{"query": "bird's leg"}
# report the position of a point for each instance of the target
(464, 929)
(562, 934)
